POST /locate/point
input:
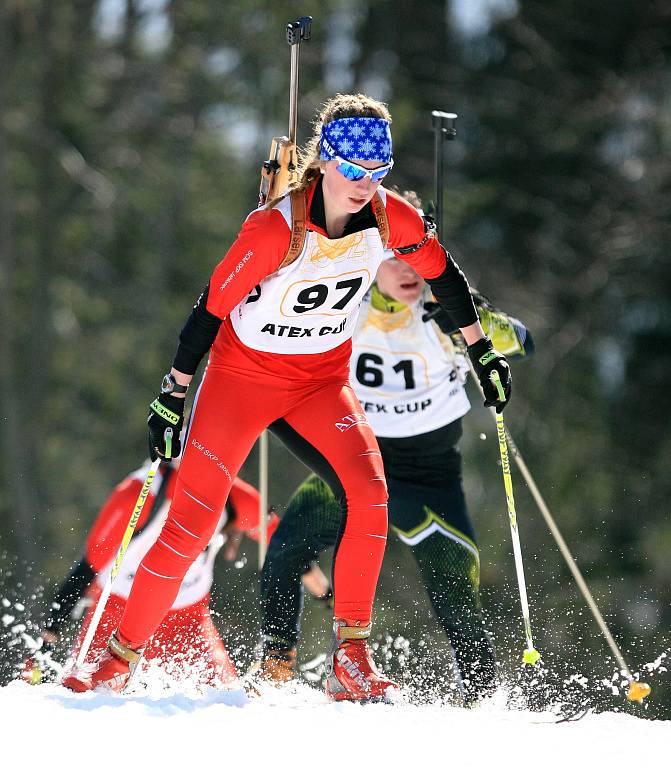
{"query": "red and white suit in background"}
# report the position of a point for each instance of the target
(187, 642)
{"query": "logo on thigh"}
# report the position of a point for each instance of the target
(351, 420)
(208, 454)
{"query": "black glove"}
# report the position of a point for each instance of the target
(166, 412)
(486, 360)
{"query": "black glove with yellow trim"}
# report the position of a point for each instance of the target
(485, 361)
(165, 413)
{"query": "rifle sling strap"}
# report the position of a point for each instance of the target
(298, 226)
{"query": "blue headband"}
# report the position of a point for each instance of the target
(356, 138)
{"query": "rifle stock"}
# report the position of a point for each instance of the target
(279, 170)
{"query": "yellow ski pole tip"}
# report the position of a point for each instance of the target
(638, 691)
(531, 656)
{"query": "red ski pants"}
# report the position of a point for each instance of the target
(232, 408)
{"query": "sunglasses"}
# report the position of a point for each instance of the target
(355, 172)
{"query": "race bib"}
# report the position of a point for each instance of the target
(311, 305)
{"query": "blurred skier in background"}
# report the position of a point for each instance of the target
(187, 643)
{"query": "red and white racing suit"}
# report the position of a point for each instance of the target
(186, 642)
(281, 358)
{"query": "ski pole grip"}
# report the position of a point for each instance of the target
(496, 381)
(168, 442)
(299, 30)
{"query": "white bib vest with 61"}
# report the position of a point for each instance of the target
(407, 381)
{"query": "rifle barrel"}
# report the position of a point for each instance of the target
(443, 127)
(293, 95)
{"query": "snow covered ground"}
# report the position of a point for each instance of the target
(297, 726)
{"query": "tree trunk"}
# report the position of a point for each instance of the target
(21, 498)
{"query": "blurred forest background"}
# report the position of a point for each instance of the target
(131, 134)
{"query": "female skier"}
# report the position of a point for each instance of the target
(187, 643)
(410, 382)
(279, 313)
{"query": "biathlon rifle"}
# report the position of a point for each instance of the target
(281, 168)
(277, 173)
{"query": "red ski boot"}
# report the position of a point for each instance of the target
(351, 674)
(113, 670)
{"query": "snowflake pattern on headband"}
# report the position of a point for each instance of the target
(356, 138)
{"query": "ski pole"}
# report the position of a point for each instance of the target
(128, 535)
(444, 128)
(636, 690)
(530, 655)
(263, 496)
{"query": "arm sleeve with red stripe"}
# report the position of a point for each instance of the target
(245, 502)
(431, 261)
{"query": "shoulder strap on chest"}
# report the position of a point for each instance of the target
(380, 212)
(298, 216)
(298, 228)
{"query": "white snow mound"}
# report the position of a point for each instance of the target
(298, 726)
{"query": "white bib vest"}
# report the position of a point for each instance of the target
(407, 380)
(311, 305)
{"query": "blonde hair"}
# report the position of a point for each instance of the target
(341, 105)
